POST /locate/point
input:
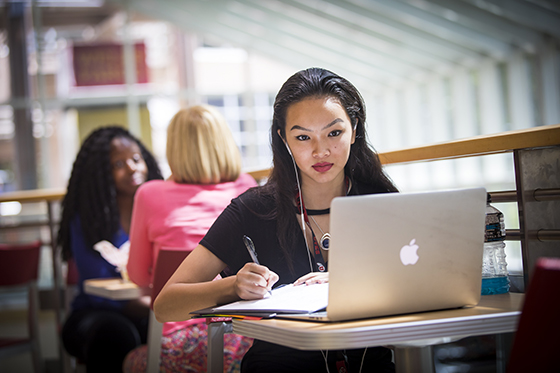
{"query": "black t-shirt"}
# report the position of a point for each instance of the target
(246, 215)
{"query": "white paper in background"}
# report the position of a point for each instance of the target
(117, 257)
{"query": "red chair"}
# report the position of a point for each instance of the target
(536, 342)
(69, 363)
(19, 267)
(168, 261)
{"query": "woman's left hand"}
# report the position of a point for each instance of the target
(313, 278)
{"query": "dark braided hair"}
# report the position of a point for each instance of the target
(363, 164)
(91, 193)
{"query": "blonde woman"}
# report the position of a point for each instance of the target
(206, 175)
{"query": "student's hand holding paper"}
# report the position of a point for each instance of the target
(313, 278)
(254, 281)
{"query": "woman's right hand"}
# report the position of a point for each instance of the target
(254, 281)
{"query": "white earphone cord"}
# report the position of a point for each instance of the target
(301, 208)
(325, 355)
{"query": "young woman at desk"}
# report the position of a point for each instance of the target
(320, 152)
(109, 167)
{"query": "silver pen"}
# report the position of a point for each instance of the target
(251, 249)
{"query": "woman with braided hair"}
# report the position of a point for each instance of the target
(108, 169)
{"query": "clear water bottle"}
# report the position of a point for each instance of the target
(494, 266)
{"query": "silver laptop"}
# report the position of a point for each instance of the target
(400, 253)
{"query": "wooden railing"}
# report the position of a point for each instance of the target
(536, 153)
(39, 195)
(475, 146)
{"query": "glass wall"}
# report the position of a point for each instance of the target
(160, 68)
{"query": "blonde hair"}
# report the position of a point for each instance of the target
(200, 147)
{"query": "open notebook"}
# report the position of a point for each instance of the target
(288, 299)
(397, 253)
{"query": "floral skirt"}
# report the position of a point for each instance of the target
(185, 350)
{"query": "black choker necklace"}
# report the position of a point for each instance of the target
(315, 212)
(318, 212)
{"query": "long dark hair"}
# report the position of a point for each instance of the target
(363, 165)
(91, 193)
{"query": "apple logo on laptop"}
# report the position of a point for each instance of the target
(408, 253)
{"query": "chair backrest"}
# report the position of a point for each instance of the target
(72, 276)
(19, 263)
(19, 266)
(167, 262)
(535, 346)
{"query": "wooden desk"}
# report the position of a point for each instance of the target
(114, 288)
(409, 335)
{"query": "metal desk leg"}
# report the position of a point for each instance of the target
(215, 360)
(155, 329)
(57, 282)
(414, 360)
(504, 343)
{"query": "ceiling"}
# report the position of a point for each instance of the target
(378, 43)
(67, 13)
(374, 43)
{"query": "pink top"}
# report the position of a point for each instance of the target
(169, 214)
